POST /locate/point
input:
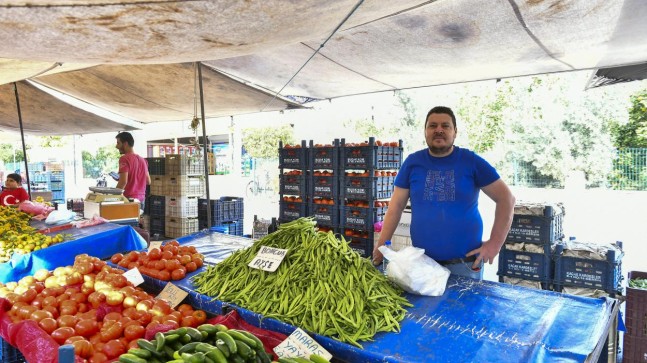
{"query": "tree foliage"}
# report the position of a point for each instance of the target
(7, 153)
(52, 141)
(104, 160)
(264, 142)
(634, 132)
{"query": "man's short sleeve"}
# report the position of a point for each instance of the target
(402, 180)
(485, 174)
(124, 166)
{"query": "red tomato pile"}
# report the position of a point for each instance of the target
(93, 307)
(173, 262)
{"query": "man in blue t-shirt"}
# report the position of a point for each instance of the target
(443, 183)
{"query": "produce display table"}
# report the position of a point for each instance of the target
(101, 241)
(472, 321)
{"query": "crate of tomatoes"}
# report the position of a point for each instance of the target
(171, 262)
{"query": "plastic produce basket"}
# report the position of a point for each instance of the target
(371, 156)
(225, 209)
(324, 184)
(156, 206)
(324, 214)
(184, 186)
(324, 156)
(293, 184)
(157, 184)
(156, 166)
(289, 211)
(178, 227)
(360, 241)
(538, 229)
(293, 157)
(179, 164)
(636, 308)
(183, 207)
(527, 265)
(589, 273)
(10, 354)
(361, 218)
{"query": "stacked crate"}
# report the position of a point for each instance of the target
(590, 266)
(293, 186)
(635, 339)
(526, 257)
(155, 202)
(323, 183)
(183, 184)
(368, 171)
(227, 215)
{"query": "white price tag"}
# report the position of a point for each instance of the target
(134, 276)
(268, 258)
(155, 244)
(300, 344)
(173, 294)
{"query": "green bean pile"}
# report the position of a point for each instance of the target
(321, 286)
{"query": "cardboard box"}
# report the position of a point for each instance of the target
(111, 211)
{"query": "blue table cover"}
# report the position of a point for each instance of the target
(101, 241)
(474, 321)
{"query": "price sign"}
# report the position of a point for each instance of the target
(173, 294)
(134, 276)
(268, 258)
(300, 344)
(155, 244)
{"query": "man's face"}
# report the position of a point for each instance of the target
(120, 147)
(439, 133)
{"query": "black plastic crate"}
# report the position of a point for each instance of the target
(324, 184)
(225, 209)
(156, 206)
(588, 273)
(324, 156)
(289, 211)
(369, 155)
(157, 226)
(360, 241)
(10, 354)
(324, 214)
(233, 228)
(156, 166)
(636, 308)
(527, 265)
(294, 183)
(364, 187)
(361, 217)
(293, 156)
(537, 229)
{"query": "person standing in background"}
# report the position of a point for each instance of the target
(133, 169)
(13, 192)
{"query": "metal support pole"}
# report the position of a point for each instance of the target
(22, 136)
(204, 141)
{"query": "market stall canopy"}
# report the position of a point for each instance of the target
(609, 76)
(44, 114)
(370, 46)
(162, 92)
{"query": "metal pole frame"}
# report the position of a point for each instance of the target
(204, 141)
(22, 137)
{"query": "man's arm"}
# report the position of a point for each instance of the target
(123, 180)
(391, 219)
(499, 192)
(148, 179)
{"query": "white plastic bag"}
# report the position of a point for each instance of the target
(60, 217)
(415, 272)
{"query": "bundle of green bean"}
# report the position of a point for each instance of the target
(321, 286)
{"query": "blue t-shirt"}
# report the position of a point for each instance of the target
(444, 192)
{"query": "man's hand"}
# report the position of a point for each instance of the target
(486, 253)
(377, 255)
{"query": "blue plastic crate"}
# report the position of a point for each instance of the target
(324, 214)
(527, 265)
(293, 184)
(289, 211)
(325, 184)
(156, 206)
(371, 156)
(366, 187)
(361, 217)
(233, 228)
(588, 273)
(537, 229)
(360, 241)
(324, 157)
(10, 354)
(225, 209)
(293, 157)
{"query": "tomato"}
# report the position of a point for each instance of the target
(200, 316)
(167, 255)
(163, 306)
(86, 327)
(29, 295)
(198, 261)
(164, 275)
(60, 335)
(68, 310)
(189, 320)
(79, 297)
(144, 317)
(83, 348)
(119, 281)
(191, 266)
(82, 308)
(184, 307)
(25, 311)
(172, 264)
(73, 339)
(53, 310)
(116, 258)
(38, 302)
(133, 345)
(84, 268)
(48, 325)
(184, 259)
(111, 331)
(133, 332)
(114, 349)
(98, 358)
(39, 315)
(67, 321)
(155, 254)
(98, 265)
(112, 316)
(96, 298)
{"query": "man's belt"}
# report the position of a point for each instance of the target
(457, 260)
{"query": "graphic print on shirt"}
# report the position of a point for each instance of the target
(440, 186)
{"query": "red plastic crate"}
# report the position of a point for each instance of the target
(636, 309)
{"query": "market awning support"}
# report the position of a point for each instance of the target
(22, 137)
(204, 141)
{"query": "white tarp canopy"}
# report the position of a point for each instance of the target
(382, 45)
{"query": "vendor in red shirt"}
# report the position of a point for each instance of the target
(13, 192)
(133, 169)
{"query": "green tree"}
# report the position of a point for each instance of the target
(483, 117)
(634, 132)
(7, 153)
(104, 160)
(264, 142)
(52, 141)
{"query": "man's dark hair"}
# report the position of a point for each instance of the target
(126, 137)
(16, 177)
(442, 109)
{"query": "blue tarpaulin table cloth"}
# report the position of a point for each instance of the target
(473, 321)
(102, 241)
